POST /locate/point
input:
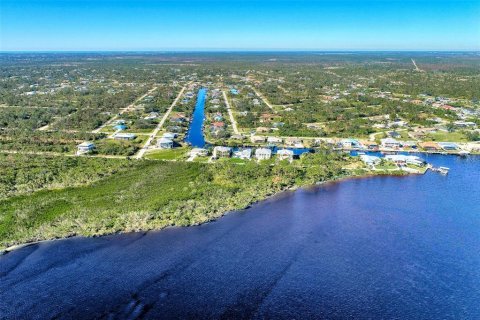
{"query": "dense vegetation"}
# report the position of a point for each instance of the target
(151, 194)
(22, 174)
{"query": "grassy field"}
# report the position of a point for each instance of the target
(167, 154)
(153, 195)
(441, 136)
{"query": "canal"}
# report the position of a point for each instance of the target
(195, 133)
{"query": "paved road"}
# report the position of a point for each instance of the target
(142, 151)
(230, 113)
(122, 111)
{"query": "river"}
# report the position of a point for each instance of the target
(380, 247)
(195, 132)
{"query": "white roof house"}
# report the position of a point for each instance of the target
(263, 154)
(165, 143)
(369, 160)
(124, 136)
(285, 154)
(274, 140)
(243, 153)
(257, 139)
(390, 143)
(220, 151)
(400, 158)
(85, 147)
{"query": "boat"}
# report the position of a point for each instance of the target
(443, 170)
(463, 153)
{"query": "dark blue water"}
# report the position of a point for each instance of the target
(381, 247)
(195, 133)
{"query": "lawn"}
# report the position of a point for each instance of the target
(167, 154)
(442, 136)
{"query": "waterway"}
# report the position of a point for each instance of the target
(195, 135)
(380, 247)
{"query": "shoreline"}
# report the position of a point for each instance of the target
(268, 197)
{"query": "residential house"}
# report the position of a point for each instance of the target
(370, 160)
(369, 145)
(262, 129)
(274, 140)
(285, 154)
(429, 146)
(257, 139)
(222, 152)
(390, 143)
(85, 147)
(350, 144)
(267, 117)
(245, 153)
(165, 143)
(448, 146)
(124, 136)
(263, 153)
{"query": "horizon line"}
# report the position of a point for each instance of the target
(236, 50)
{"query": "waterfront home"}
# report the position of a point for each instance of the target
(448, 146)
(124, 136)
(85, 147)
(472, 146)
(369, 145)
(285, 154)
(350, 144)
(165, 143)
(401, 159)
(263, 153)
(274, 140)
(370, 160)
(245, 154)
(429, 146)
(178, 119)
(222, 152)
(390, 143)
(257, 139)
(408, 144)
(201, 152)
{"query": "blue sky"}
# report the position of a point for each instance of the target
(75, 25)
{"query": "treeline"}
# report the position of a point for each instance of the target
(151, 195)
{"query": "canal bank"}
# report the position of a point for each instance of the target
(195, 136)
